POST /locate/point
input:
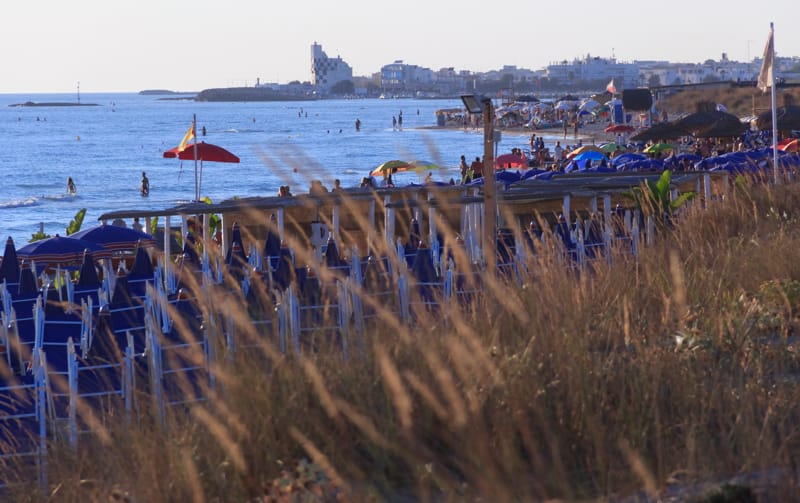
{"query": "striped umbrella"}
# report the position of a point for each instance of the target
(115, 238)
(60, 250)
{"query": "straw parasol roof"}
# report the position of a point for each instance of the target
(788, 118)
(661, 131)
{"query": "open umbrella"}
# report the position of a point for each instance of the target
(661, 131)
(788, 118)
(619, 128)
(510, 161)
(60, 250)
(590, 154)
(589, 105)
(658, 148)
(420, 166)
(114, 237)
(585, 148)
(389, 167)
(793, 145)
(612, 147)
(201, 152)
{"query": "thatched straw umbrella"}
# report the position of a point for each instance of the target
(661, 131)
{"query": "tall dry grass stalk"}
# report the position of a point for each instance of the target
(578, 384)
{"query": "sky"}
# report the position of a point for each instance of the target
(116, 46)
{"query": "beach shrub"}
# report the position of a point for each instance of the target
(655, 198)
(76, 222)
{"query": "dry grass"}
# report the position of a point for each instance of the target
(740, 101)
(577, 386)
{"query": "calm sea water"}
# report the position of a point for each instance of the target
(106, 148)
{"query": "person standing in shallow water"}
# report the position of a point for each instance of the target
(71, 186)
(145, 189)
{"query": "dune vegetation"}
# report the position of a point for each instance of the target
(666, 375)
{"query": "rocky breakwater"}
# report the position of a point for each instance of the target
(250, 94)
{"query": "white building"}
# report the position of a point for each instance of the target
(327, 72)
(593, 69)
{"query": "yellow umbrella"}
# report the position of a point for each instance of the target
(389, 167)
(658, 147)
(419, 166)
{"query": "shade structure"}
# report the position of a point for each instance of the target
(202, 152)
(792, 145)
(591, 155)
(60, 250)
(612, 147)
(235, 256)
(87, 277)
(657, 148)
(9, 269)
(703, 120)
(661, 131)
(142, 265)
(115, 238)
(619, 128)
(788, 118)
(722, 129)
(510, 161)
(419, 165)
(585, 148)
(389, 167)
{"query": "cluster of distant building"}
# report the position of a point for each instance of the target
(399, 79)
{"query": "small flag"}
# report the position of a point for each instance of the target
(765, 77)
(611, 87)
(188, 136)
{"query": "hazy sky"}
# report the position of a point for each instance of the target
(113, 45)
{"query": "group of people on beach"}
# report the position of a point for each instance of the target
(470, 172)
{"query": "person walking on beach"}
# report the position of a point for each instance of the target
(145, 188)
(71, 186)
(558, 153)
(565, 125)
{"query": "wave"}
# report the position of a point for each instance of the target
(20, 203)
(59, 197)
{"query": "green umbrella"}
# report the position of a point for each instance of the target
(611, 147)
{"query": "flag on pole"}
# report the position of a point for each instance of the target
(611, 87)
(188, 136)
(765, 77)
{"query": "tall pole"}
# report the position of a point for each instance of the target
(489, 191)
(194, 137)
(775, 170)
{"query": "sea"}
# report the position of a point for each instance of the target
(105, 149)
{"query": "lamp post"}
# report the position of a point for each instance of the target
(479, 104)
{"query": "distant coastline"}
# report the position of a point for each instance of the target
(159, 92)
(53, 104)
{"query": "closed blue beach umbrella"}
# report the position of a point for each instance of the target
(9, 269)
